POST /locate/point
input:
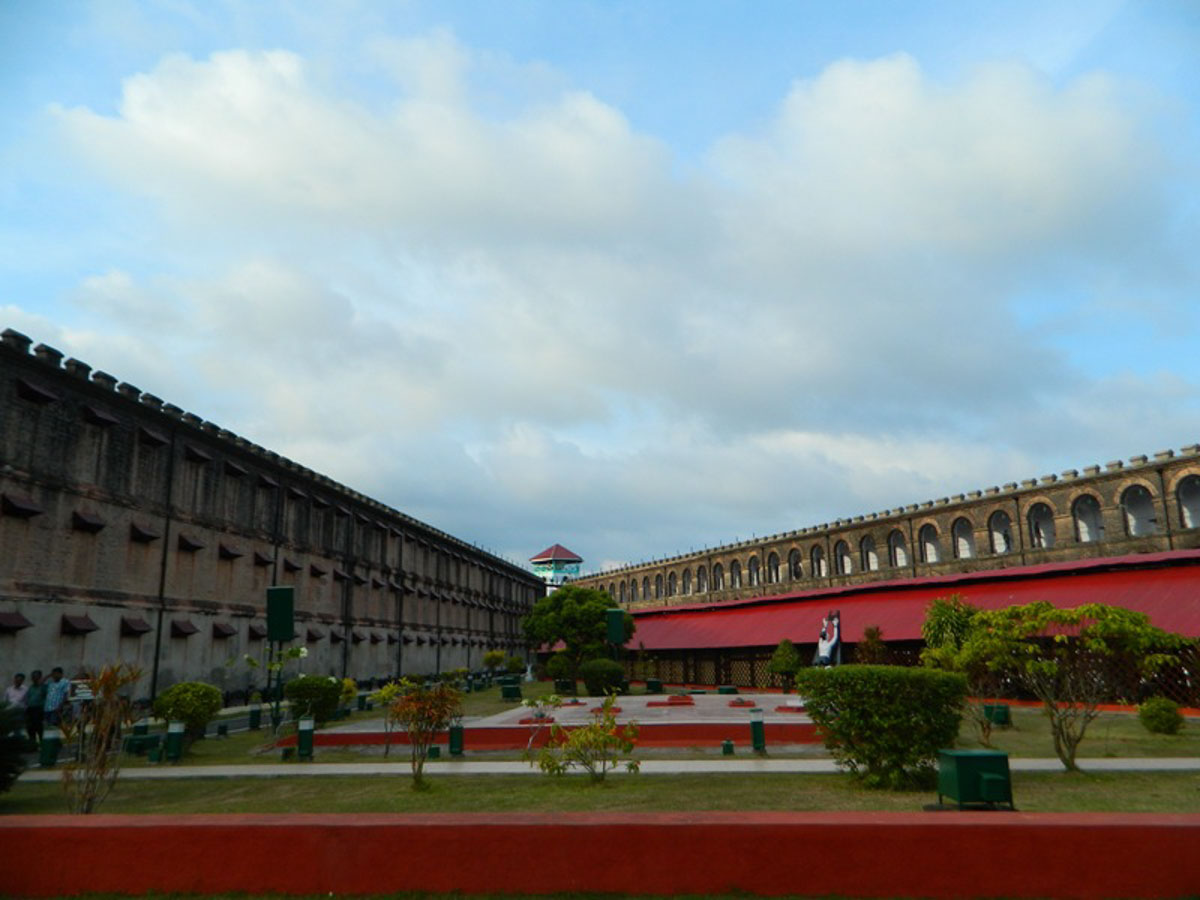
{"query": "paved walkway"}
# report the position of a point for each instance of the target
(720, 766)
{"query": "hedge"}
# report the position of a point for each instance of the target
(885, 724)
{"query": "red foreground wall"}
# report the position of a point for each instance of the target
(942, 854)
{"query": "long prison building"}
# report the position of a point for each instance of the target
(131, 530)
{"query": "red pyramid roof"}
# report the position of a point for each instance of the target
(556, 553)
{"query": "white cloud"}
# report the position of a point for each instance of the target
(522, 322)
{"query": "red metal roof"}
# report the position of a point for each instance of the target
(556, 553)
(1165, 586)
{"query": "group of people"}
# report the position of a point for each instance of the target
(45, 701)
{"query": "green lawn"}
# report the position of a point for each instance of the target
(1112, 734)
(1034, 792)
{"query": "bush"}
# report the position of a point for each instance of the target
(493, 659)
(602, 676)
(514, 665)
(193, 703)
(885, 723)
(314, 695)
(558, 667)
(12, 745)
(1160, 716)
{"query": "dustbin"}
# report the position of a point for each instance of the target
(456, 740)
(51, 745)
(974, 777)
(653, 686)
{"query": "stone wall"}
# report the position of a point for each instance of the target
(132, 530)
(1140, 506)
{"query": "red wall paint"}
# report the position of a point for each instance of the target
(945, 854)
(694, 734)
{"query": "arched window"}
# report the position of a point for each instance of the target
(773, 569)
(841, 558)
(963, 536)
(701, 580)
(646, 587)
(633, 590)
(1188, 495)
(1041, 527)
(897, 549)
(820, 568)
(795, 567)
(1088, 525)
(1138, 509)
(612, 589)
(686, 581)
(735, 574)
(754, 572)
(1000, 532)
(870, 558)
(622, 592)
(658, 587)
(672, 583)
(931, 550)
(718, 579)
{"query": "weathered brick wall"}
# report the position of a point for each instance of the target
(768, 565)
(163, 531)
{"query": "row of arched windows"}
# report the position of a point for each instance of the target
(1087, 526)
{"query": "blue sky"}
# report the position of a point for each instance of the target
(632, 277)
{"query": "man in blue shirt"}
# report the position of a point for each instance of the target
(56, 695)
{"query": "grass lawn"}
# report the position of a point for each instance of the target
(1110, 735)
(1033, 792)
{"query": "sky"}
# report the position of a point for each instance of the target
(634, 277)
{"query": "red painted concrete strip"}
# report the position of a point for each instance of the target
(650, 735)
(849, 854)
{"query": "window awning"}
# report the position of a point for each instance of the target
(134, 626)
(223, 630)
(13, 621)
(1166, 587)
(78, 625)
(182, 628)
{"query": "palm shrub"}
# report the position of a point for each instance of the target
(314, 695)
(885, 724)
(193, 703)
(602, 676)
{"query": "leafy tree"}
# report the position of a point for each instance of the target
(871, 650)
(785, 662)
(948, 624)
(96, 732)
(385, 696)
(493, 659)
(574, 616)
(424, 711)
(1071, 659)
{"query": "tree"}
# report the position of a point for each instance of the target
(948, 623)
(96, 732)
(785, 661)
(871, 650)
(424, 711)
(493, 659)
(576, 617)
(596, 748)
(1071, 659)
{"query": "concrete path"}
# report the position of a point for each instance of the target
(721, 766)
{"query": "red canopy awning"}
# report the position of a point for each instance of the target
(1164, 586)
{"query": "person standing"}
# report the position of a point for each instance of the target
(15, 693)
(35, 706)
(56, 696)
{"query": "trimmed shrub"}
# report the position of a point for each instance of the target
(493, 659)
(602, 676)
(514, 665)
(1160, 716)
(314, 695)
(885, 724)
(193, 703)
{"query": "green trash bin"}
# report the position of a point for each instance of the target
(255, 717)
(653, 686)
(304, 738)
(174, 741)
(456, 740)
(510, 692)
(973, 777)
(49, 750)
(997, 714)
(727, 689)
(362, 702)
